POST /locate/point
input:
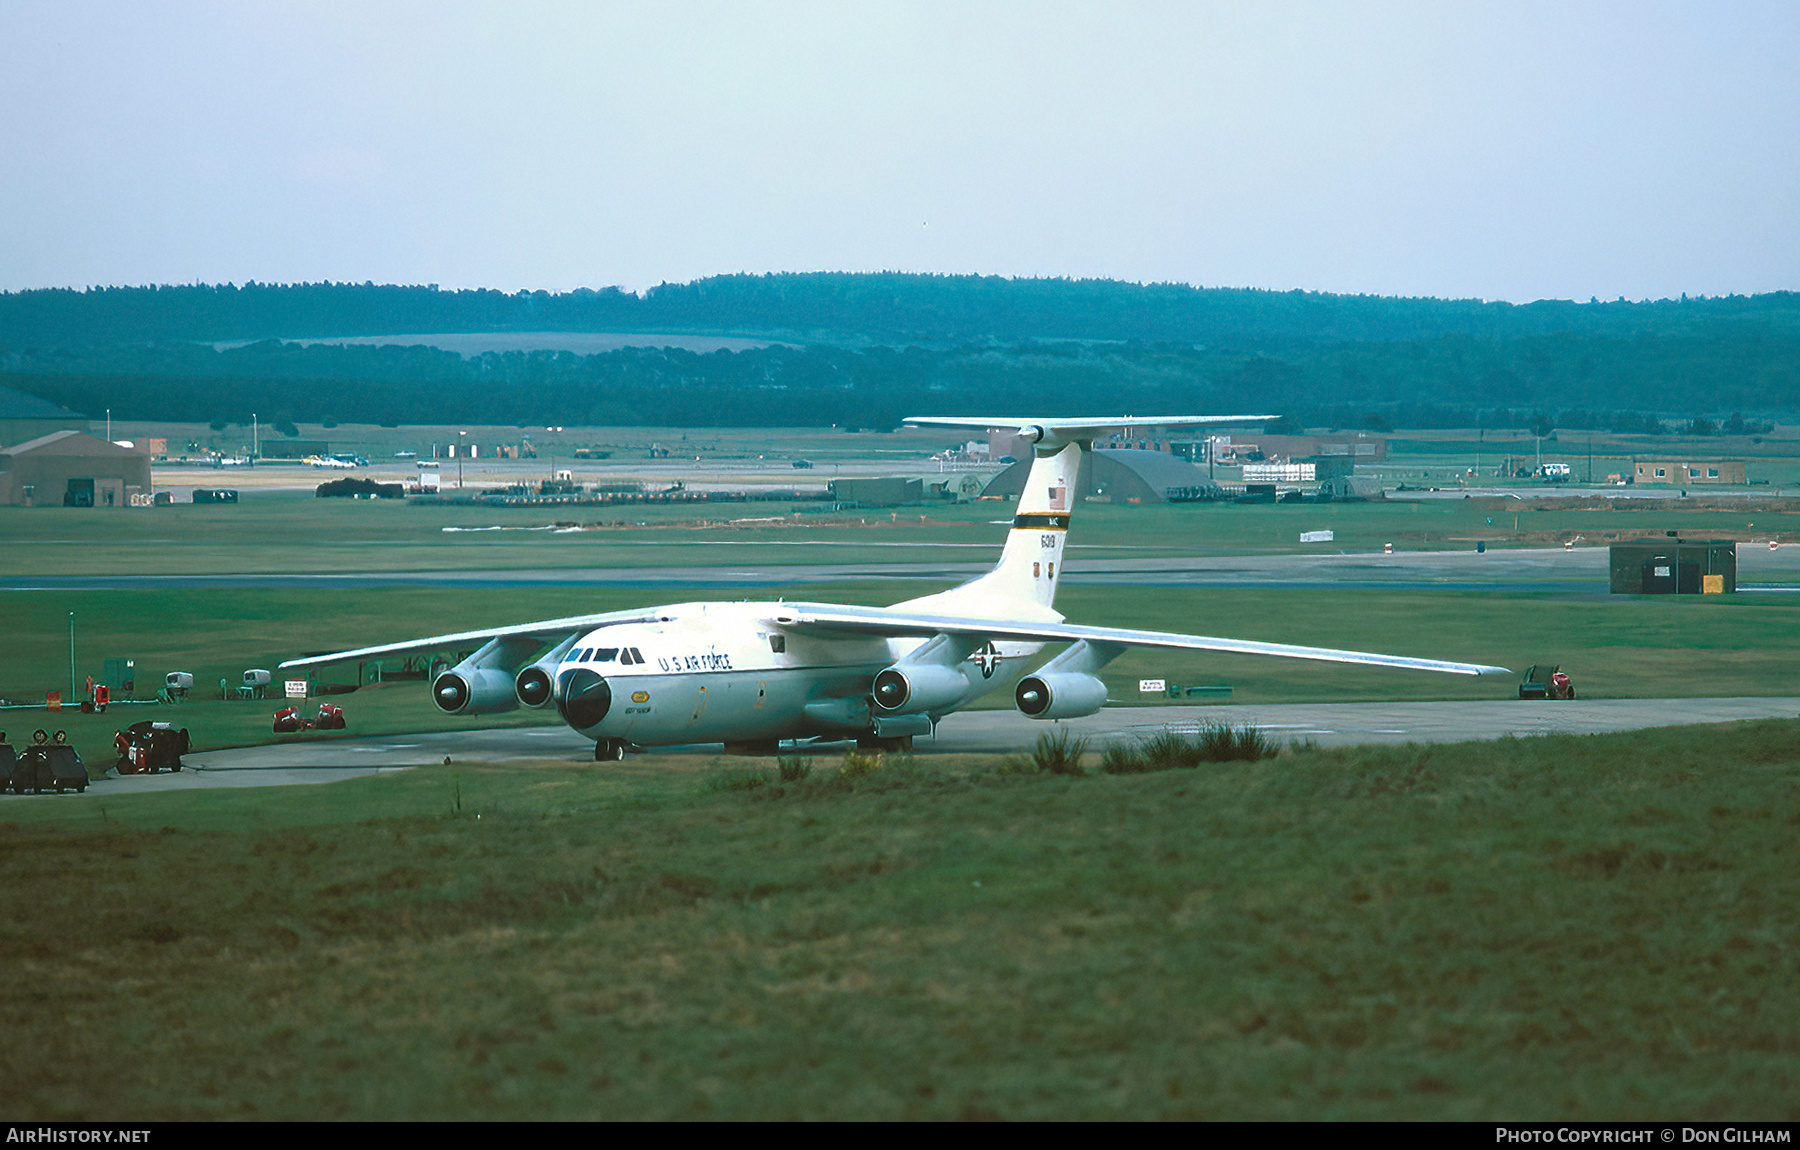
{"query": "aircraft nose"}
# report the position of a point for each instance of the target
(582, 697)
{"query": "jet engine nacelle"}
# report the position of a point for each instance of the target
(533, 685)
(1059, 695)
(913, 688)
(537, 683)
(464, 690)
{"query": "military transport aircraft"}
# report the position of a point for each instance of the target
(752, 674)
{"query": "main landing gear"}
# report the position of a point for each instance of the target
(609, 751)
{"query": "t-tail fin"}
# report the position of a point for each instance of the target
(1023, 584)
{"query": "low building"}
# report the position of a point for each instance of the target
(292, 448)
(1357, 445)
(878, 492)
(1673, 566)
(72, 469)
(1303, 472)
(1688, 472)
(1349, 487)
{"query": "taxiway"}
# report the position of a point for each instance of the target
(993, 732)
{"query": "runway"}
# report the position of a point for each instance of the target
(1582, 570)
(986, 732)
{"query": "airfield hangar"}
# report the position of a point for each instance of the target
(1116, 476)
(1673, 566)
(72, 469)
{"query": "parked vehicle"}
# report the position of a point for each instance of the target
(1545, 681)
(288, 720)
(147, 747)
(48, 762)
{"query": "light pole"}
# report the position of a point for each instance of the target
(461, 450)
(72, 697)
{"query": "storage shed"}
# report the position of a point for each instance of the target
(72, 469)
(880, 492)
(1673, 566)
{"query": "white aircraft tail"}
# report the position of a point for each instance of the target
(1023, 584)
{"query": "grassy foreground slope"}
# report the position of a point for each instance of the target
(1599, 927)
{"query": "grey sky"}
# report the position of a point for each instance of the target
(1505, 150)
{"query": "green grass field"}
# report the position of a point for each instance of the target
(1614, 646)
(1567, 928)
(282, 532)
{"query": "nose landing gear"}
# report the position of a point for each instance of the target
(609, 751)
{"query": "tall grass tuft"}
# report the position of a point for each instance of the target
(1170, 750)
(858, 765)
(1126, 759)
(1222, 743)
(793, 768)
(1059, 754)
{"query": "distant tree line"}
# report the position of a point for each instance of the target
(826, 306)
(1616, 385)
(1341, 361)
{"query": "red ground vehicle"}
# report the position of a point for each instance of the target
(1545, 681)
(288, 720)
(146, 748)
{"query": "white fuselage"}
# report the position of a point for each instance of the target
(726, 672)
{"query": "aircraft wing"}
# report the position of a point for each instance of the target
(548, 629)
(876, 621)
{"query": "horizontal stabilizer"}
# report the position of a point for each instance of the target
(1068, 429)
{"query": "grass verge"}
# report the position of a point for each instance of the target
(1562, 928)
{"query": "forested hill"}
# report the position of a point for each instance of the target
(879, 347)
(832, 307)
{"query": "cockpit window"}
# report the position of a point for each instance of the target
(636, 657)
(605, 654)
(579, 656)
(778, 643)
